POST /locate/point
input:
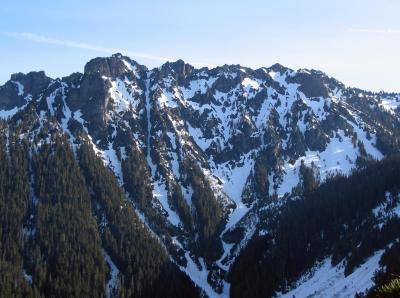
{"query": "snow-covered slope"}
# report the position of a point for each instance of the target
(330, 281)
(246, 131)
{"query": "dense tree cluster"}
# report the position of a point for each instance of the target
(207, 211)
(181, 206)
(61, 214)
(14, 206)
(65, 250)
(309, 177)
(137, 177)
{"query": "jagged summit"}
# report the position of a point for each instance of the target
(17, 91)
(278, 68)
(33, 82)
(180, 69)
(113, 66)
(118, 65)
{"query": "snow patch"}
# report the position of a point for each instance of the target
(234, 177)
(20, 88)
(112, 283)
(199, 276)
(111, 159)
(27, 277)
(249, 83)
(339, 157)
(161, 193)
(4, 114)
(390, 104)
(131, 68)
(199, 86)
(328, 281)
(124, 94)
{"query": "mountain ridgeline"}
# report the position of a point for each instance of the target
(183, 182)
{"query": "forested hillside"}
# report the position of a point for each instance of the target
(66, 227)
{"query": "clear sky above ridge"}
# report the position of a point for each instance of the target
(356, 41)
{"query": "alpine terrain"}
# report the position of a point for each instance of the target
(183, 182)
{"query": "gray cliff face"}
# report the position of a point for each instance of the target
(21, 87)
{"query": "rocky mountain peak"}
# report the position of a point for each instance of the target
(311, 83)
(34, 82)
(180, 70)
(14, 93)
(115, 66)
(278, 68)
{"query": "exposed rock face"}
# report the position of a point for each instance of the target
(311, 84)
(14, 92)
(179, 70)
(216, 145)
(92, 100)
(33, 82)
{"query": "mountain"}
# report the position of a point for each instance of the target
(201, 170)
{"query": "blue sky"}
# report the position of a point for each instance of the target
(356, 41)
